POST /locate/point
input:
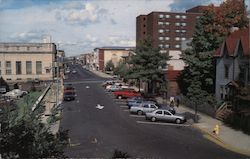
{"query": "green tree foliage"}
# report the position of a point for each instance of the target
(147, 65)
(3, 83)
(121, 69)
(109, 66)
(211, 29)
(23, 135)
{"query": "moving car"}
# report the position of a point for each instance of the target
(126, 93)
(143, 108)
(69, 95)
(69, 87)
(165, 115)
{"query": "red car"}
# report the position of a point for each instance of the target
(126, 93)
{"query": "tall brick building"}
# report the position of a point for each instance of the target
(167, 29)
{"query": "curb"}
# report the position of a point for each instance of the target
(41, 97)
(215, 139)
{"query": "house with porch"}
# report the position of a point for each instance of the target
(233, 69)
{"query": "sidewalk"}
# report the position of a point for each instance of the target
(50, 101)
(228, 138)
(101, 74)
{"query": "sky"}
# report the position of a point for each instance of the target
(79, 26)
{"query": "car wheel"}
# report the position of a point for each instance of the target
(139, 112)
(119, 97)
(153, 119)
(178, 121)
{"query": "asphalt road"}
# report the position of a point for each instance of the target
(96, 133)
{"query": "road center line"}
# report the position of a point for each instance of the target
(166, 124)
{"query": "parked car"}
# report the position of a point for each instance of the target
(69, 95)
(15, 93)
(74, 71)
(126, 93)
(132, 99)
(138, 103)
(113, 88)
(164, 115)
(143, 108)
(69, 87)
(167, 107)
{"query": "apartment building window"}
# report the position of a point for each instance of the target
(177, 38)
(160, 23)
(177, 31)
(18, 67)
(177, 46)
(160, 45)
(167, 46)
(161, 38)
(167, 16)
(226, 73)
(183, 39)
(38, 67)
(167, 30)
(8, 67)
(183, 31)
(18, 48)
(28, 48)
(183, 17)
(177, 16)
(167, 38)
(28, 67)
(177, 24)
(161, 16)
(161, 30)
(167, 23)
(183, 24)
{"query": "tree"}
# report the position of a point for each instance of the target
(197, 81)
(109, 66)
(3, 83)
(16, 86)
(210, 32)
(147, 65)
(121, 69)
(23, 135)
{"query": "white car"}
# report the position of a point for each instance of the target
(15, 93)
(74, 71)
(143, 108)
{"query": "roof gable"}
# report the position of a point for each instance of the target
(232, 42)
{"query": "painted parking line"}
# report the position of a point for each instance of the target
(125, 110)
(123, 106)
(137, 116)
(157, 123)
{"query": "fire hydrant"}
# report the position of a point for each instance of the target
(216, 129)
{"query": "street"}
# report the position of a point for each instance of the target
(96, 133)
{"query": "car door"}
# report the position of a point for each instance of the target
(159, 115)
(145, 108)
(168, 116)
(153, 107)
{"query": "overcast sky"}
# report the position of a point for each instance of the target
(79, 26)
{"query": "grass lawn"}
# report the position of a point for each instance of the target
(29, 99)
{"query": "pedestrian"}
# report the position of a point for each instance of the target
(177, 101)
